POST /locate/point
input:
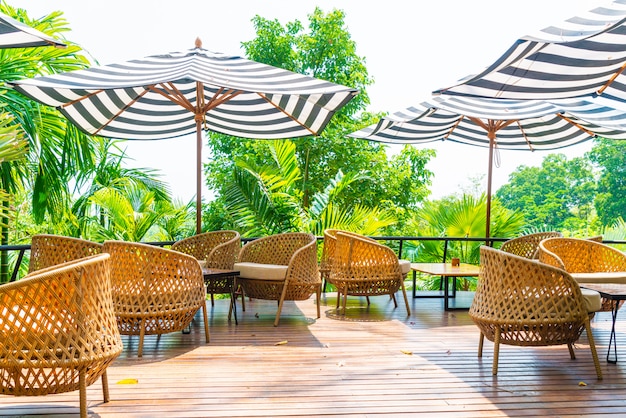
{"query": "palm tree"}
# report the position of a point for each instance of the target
(55, 151)
(268, 199)
(130, 214)
(109, 174)
(463, 216)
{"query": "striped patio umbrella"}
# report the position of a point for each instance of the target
(175, 94)
(15, 34)
(585, 55)
(500, 124)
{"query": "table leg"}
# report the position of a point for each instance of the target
(233, 299)
(414, 274)
(445, 294)
(613, 338)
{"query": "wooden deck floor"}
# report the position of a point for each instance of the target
(374, 362)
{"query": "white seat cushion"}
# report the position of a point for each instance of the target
(261, 271)
(405, 266)
(593, 300)
(601, 277)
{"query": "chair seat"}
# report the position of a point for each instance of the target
(405, 266)
(259, 271)
(593, 300)
(600, 277)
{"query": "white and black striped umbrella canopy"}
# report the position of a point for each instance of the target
(15, 34)
(585, 55)
(499, 123)
(175, 94)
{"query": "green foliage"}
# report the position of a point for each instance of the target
(325, 51)
(558, 195)
(610, 202)
(463, 216)
(267, 199)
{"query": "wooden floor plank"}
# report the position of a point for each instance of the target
(375, 361)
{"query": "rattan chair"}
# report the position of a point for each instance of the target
(50, 250)
(155, 290)
(586, 260)
(526, 303)
(218, 249)
(363, 267)
(526, 246)
(58, 331)
(280, 267)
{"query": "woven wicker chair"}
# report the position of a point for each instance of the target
(280, 267)
(526, 246)
(58, 331)
(584, 259)
(155, 290)
(328, 252)
(50, 250)
(363, 267)
(525, 303)
(218, 249)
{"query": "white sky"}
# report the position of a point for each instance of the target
(411, 47)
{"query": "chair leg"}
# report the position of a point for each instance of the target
(406, 300)
(206, 323)
(570, 347)
(481, 340)
(82, 384)
(243, 299)
(496, 352)
(280, 304)
(367, 298)
(592, 347)
(395, 302)
(319, 295)
(212, 300)
(105, 386)
(142, 333)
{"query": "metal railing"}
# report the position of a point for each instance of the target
(23, 248)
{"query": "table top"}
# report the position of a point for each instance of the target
(615, 291)
(210, 272)
(446, 269)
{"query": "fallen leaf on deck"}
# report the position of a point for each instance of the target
(582, 384)
(128, 382)
(282, 342)
(408, 353)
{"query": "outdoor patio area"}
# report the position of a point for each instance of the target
(373, 362)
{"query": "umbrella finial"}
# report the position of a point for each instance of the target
(198, 43)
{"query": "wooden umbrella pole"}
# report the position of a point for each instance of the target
(198, 174)
(492, 139)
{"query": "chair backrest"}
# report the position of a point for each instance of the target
(330, 243)
(526, 246)
(58, 320)
(218, 248)
(362, 257)
(576, 255)
(523, 293)
(277, 249)
(151, 283)
(49, 250)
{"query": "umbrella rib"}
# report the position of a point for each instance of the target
(104, 125)
(221, 97)
(577, 125)
(530, 145)
(613, 77)
(287, 114)
(454, 127)
(173, 94)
